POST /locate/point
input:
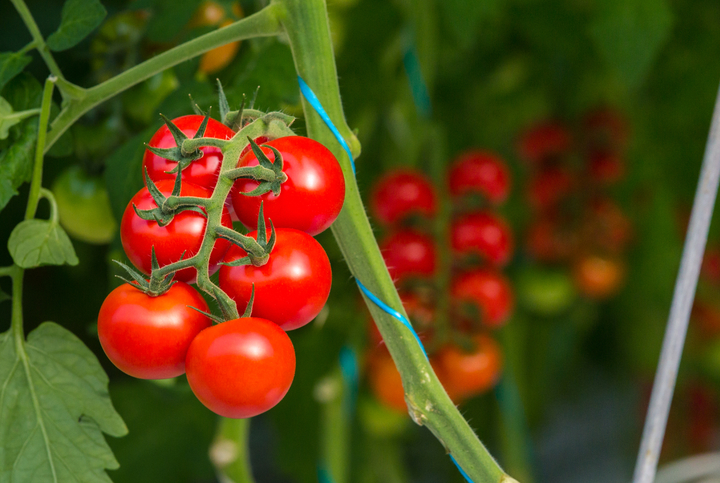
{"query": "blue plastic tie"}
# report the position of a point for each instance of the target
(323, 475)
(462, 471)
(351, 376)
(315, 103)
(418, 86)
(386, 308)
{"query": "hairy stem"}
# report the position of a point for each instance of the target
(307, 28)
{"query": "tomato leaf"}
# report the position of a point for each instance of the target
(79, 18)
(40, 242)
(629, 34)
(7, 120)
(11, 64)
(55, 407)
(16, 162)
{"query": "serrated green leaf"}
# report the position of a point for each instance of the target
(16, 162)
(23, 92)
(79, 18)
(33, 243)
(11, 64)
(55, 407)
(629, 34)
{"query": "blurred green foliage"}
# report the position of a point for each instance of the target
(491, 68)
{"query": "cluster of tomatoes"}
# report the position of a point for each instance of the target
(241, 367)
(452, 313)
(575, 221)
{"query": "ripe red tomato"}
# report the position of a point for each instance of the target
(549, 187)
(401, 193)
(480, 172)
(309, 200)
(598, 276)
(241, 368)
(606, 167)
(291, 288)
(489, 290)
(544, 141)
(467, 374)
(385, 381)
(711, 265)
(148, 337)
(483, 234)
(202, 172)
(408, 253)
(183, 234)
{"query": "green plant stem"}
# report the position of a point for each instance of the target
(306, 25)
(28, 47)
(36, 182)
(21, 115)
(334, 425)
(214, 208)
(262, 24)
(189, 146)
(38, 39)
(229, 450)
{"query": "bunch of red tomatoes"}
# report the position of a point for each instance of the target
(449, 278)
(241, 367)
(575, 221)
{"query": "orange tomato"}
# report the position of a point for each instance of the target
(598, 276)
(385, 381)
(209, 14)
(467, 374)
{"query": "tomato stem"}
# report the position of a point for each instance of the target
(38, 40)
(306, 25)
(261, 24)
(36, 182)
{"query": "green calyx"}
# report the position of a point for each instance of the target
(168, 207)
(154, 287)
(269, 174)
(258, 251)
(178, 153)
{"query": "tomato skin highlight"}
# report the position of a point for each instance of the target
(484, 234)
(311, 198)
(480, 172)
(241, 368)
(401, 193)
(489, 290)
(291, 288)
(467, 374)
(409, 253)
(183, 234)
(202, 172)
(148, 337)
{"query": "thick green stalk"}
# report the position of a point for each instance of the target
(229, 451)
(36, 182)
(334, 425)
(263, 23)
(306, 24)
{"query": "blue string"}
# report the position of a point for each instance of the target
(323, 475)
(418, 87)
(315, 103)
(462, 472)
(351, 376)
(348, 361)
(386, 308)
